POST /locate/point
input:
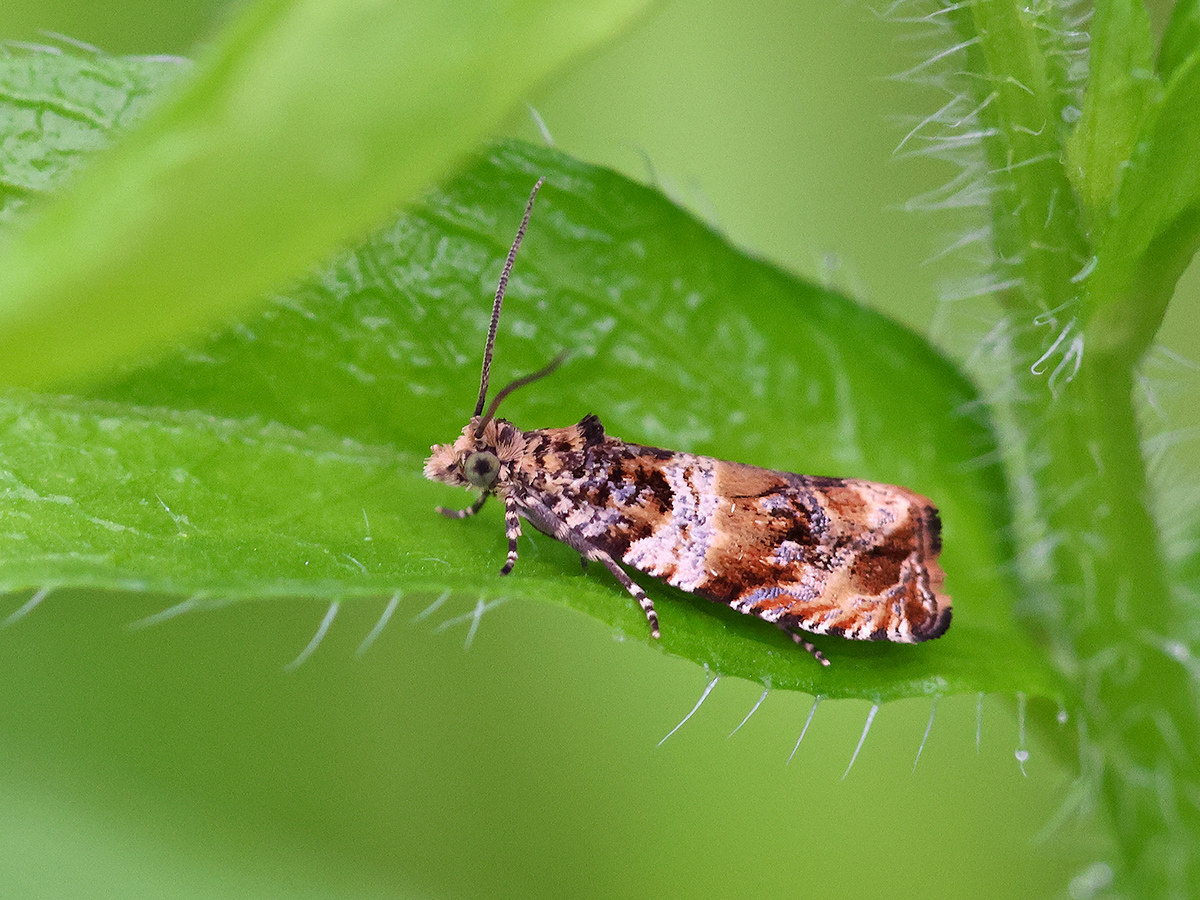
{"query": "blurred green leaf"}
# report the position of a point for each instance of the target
(1181, 40)
(1155, 226)
(1164, 176)
(57, 110)
(1121, 90)
(303, 126)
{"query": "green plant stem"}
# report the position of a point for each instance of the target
(1109, 573)
(1090, 555)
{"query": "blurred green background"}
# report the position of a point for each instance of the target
(182, 761)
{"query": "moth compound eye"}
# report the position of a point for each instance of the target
(481, 468)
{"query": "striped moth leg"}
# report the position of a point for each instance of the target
(807, 645)
(471, 510)
(546, 521)
(512, 531)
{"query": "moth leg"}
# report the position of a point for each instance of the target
(583, 562)
(807, 645)
(512, 530)
(630, 585)
(547, 521)
(471, 510)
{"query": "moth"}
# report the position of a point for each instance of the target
(837, 556)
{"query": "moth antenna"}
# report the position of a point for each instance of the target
(500, 288)
(513, 385)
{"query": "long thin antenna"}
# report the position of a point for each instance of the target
(512, 386)
(508, 264)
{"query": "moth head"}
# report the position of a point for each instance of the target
(482, 461)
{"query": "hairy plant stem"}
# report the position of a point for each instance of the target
(1090, 556)
(1109, 570)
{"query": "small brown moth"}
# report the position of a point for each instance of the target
(834, 556)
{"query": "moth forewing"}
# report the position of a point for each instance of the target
(845, 557)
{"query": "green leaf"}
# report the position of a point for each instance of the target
(1122, 88)
(55, 111)
(1181, 40)
(281, 456)
(305, 124)
(1155, 229)
(1164, 177)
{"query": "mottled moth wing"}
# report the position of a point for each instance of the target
(844, 557)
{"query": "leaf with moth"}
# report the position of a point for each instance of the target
(253, 462)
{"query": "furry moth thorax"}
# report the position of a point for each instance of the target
(837, 556)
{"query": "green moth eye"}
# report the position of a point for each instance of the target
(481, 468)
